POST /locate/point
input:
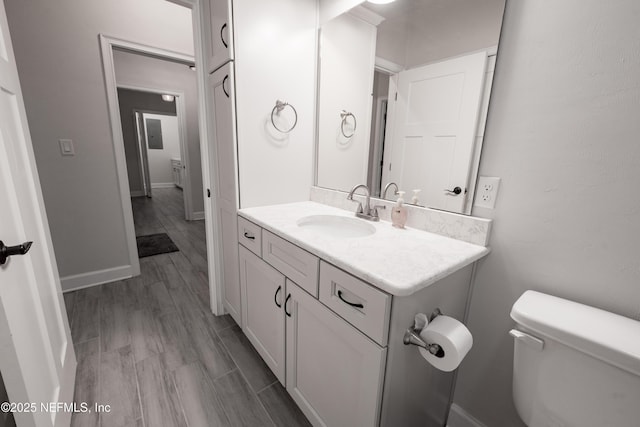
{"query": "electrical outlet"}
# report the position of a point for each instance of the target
(487, 191)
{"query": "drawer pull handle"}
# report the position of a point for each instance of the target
(347, 302)
(222, 35)
(275, 297)
(285, 305)
(249, 236)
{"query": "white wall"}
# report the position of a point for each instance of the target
(348, 47)
(58, 55)
(563, 134)
(160, 170)
(275, 51)
(154, 73)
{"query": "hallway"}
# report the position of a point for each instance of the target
(151, 349)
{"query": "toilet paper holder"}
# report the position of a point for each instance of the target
(412, 337)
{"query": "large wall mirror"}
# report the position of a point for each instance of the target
(404, 89)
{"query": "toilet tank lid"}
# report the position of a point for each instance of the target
(607, 336)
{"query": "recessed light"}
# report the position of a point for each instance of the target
(168, 98)
(381, 1)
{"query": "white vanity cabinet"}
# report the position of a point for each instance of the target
(176, 168)
(263, 295)
(333, 370)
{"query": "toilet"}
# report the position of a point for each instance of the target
(574, 365)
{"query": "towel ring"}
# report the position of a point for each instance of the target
(280, 105)
(344, 115)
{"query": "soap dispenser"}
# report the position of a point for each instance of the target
(399, 212)
(414, 199)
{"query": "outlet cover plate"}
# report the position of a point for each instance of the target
(487, 192)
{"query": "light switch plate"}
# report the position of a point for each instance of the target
(487, 192)
(66, 147)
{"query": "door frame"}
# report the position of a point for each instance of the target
(182, 136)
(143, 152)
(212, 221)
(142, 155)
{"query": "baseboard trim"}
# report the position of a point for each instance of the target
(137, 193)
(162, 185)
(197, 215)
(93, 278)
(458, 417)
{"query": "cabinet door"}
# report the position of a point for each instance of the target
(223, 183)
(262, 315)
(334, 372)
(221, 41)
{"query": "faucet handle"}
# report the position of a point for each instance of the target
(359, 209)
(374, 210)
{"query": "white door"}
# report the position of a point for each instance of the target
(334, 372)
(433, 129)
(224, 191)
(36, 353)
(263, 289)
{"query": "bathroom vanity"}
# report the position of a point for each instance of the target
(326, 299)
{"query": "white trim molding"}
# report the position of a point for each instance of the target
(163, 185)
(107, 44)
(94, 278)
(458, 417)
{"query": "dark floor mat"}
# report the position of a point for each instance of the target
(155, 244)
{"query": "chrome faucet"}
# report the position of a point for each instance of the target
(366, 211)
(386, 188)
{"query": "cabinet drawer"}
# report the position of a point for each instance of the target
(297, 264)
(250, 236)
(359, 303)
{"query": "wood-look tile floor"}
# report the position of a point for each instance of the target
(151, 349)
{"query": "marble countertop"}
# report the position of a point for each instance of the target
(397, 261)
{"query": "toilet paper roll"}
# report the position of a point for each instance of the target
(452, 336)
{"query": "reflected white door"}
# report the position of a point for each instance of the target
(36, 353)
(432, 130)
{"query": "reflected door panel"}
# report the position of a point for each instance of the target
(435, 122)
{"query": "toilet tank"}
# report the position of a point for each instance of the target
(574, 365)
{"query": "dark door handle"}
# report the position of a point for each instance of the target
(249, 236)
(275, 297)
(7, 251)
(285, 305)
(222, 35)
(455, 191)
(347, 302)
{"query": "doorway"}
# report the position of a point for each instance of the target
(158, 111)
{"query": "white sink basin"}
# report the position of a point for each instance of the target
(336, 226)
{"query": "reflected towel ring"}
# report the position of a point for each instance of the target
(280, 105)
(344, 115)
